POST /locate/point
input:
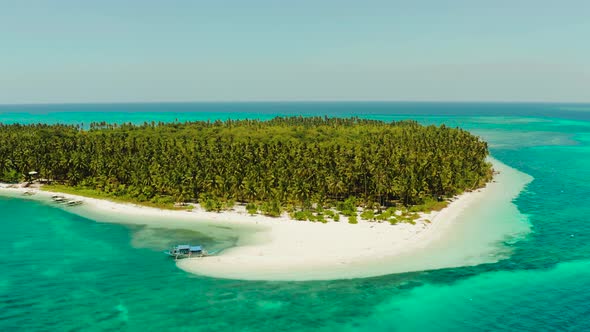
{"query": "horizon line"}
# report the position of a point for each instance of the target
(287, 101)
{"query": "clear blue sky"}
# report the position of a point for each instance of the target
(57, 51)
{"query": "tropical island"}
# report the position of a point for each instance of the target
(295, 198)
(313, 168)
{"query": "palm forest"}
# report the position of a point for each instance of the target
(307, 166)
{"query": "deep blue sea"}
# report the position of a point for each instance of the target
(62, 272)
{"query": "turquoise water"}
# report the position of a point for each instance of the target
(61, 272)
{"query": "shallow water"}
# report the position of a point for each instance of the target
(62, 272)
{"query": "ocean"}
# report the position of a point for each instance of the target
(63, 272)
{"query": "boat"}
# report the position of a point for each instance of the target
(74, 202)
(29, 193)
(59, 199)
(186, 251)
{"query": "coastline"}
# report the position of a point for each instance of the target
(266, 248)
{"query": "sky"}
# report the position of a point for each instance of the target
(72, 51)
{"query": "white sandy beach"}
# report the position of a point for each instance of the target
(467, 232)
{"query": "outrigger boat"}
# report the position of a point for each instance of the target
(186, 251)
(63, 200)
(59, 199)
(74, 202)
(29, 193)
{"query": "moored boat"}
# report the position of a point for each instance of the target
(186, 251)
(59, 199)
(74, 202)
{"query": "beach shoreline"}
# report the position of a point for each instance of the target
(268, 248)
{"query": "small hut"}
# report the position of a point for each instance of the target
(32, 175)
